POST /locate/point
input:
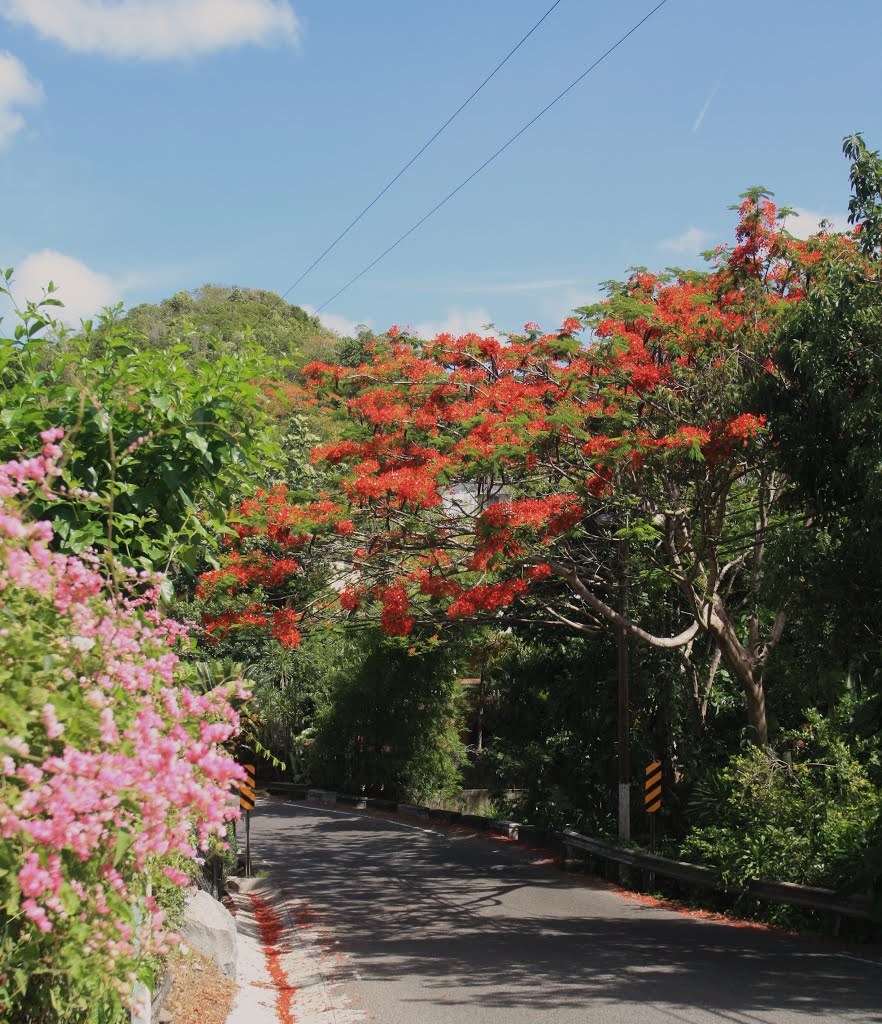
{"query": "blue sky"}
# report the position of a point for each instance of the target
(156, 145)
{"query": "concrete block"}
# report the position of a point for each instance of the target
(209, 927)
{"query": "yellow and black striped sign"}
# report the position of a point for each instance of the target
(652, 793)
(246, 790)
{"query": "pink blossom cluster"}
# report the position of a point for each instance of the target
(138, 442)
(111, 769)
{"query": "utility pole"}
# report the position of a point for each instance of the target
(624, 753)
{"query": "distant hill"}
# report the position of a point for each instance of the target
(216, 316)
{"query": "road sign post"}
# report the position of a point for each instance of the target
(624, 717)
(246, 805)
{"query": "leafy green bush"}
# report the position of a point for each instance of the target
(159, 439)
(800, 816)
(551, 732)
(388, 723)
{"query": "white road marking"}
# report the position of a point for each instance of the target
(858, 959)
(361, 817)
(827, 956)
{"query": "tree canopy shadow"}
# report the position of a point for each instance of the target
(481, 924)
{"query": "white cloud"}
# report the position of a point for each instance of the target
(555, 309)
(156, 29)
(83, 291)
(17, 89)
(806, 222)
(457, 321)
(690, 241)
(550, 312)
(698, 120)
(341, 324)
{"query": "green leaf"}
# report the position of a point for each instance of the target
(197, 440)
(120, 847)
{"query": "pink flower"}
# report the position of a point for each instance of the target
(177, 876)
(143, 778)
(37, 914)
(54, 728)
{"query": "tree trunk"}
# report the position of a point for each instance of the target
(715, 657)
(756, 709)
(479, 726)
(744, 665)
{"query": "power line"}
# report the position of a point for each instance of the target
(491, 158)
(420, 151)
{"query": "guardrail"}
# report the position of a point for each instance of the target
(565, 843)
(805, 896)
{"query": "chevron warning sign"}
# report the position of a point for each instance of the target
(246, 790)
(652, 792)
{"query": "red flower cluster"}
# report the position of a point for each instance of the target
(394, 618)
(564, 425)
(351, 598)
(285, 627)
(252, 569)
(486, 598)
(417, 486)
(218, 626)
(380, 408)
(758, 235)
(547, 518)
(270, 514)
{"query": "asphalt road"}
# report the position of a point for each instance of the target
(449, 927)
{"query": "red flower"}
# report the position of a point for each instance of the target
(394, 620)
(285, 627)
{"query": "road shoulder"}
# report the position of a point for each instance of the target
(289, 970)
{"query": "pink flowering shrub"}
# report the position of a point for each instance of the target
(112, 770)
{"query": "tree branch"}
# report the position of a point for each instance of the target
(614, 618)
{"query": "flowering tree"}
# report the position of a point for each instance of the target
(112, 771)
(476, 477)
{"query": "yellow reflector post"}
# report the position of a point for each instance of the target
(653, 787)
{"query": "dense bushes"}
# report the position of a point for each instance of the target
(161, 439)
(550, 720)
(388, 724)
(803, 815)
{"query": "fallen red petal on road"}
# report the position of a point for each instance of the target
(271, 935)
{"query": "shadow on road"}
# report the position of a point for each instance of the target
(479, 924)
